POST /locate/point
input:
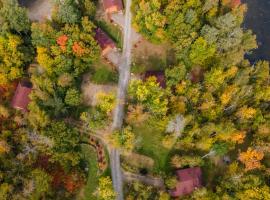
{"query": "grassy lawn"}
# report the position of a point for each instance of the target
(92, 180)
(113, 31)
(151, 145)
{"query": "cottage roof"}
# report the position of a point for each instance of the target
(21, 97)
(113, 3)
(188, 180)
(103, 39)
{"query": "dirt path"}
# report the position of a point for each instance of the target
(155, 182)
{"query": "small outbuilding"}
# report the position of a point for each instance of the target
(160, 76)
(112, 6)
(188, 180)
(21, 98)
(105, 42)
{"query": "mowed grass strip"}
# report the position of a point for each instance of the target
(92, 179)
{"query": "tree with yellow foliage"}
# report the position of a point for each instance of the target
(12, 58)
(105, 189)
(245, 113)
(251, 159)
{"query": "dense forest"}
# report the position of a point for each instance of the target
(221, 99)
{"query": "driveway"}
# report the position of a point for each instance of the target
(119, 19)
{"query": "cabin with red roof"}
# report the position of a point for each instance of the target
(21, 99)
(112, 6)
(188, 180)
(160, 76)
(105, 42)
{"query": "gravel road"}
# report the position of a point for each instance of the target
(124, 76)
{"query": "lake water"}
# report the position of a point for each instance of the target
(258, 19)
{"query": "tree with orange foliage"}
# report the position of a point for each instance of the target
(238, 137)
(78, 49)
(251, 159)
(62, 41)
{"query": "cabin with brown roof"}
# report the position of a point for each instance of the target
(159, 75)
(188, 180)
(105, 42)
(21, 99)
(112, 6)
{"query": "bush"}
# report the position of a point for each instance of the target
(186, 161)
(171, 182)
(104, 75)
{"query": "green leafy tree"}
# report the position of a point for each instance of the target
(149, 20)
(73, 97)
(66, 147)
(124, 139)
(183, 161)
(201, 51)
(41, 183)
(105, 189)
(175, 74)
(13, 17)
(67, 11)
(150, 95)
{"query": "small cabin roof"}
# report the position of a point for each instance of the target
(21, 99)
(113, 3)
(188, 180)
(103, 39)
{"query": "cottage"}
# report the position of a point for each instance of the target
(188, 180)
(21, 99)
(105, 42)
(160, 76)
(112, 6)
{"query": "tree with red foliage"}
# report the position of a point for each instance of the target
(73, 181)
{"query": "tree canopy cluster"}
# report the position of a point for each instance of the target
(222, 97)
(40, 151)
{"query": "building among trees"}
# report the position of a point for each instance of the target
(21, 99)
(188, 180)
(105, 42)
(112, 6)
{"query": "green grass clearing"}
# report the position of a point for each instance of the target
(151, 145)
(92, 179)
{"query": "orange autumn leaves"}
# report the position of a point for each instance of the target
(251, 159)
(62, 41)
(77, 49)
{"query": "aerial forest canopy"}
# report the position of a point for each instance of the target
(221, 99)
